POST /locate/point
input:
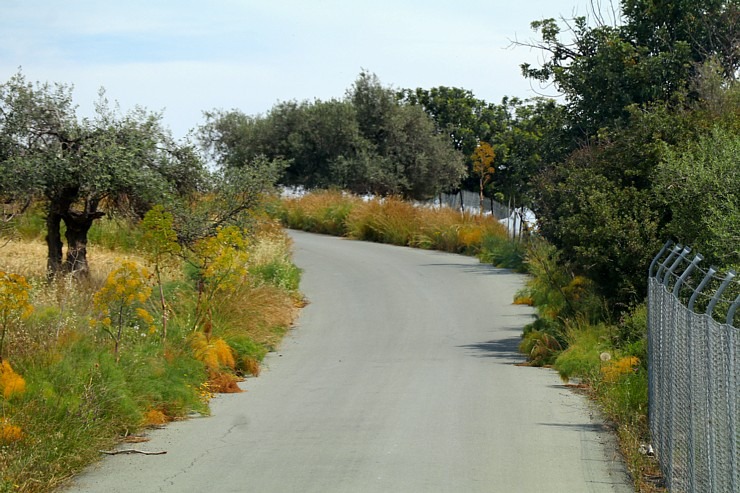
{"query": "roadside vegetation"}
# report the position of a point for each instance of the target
(397, 222)
(191, 285)
(136, 280)
(86, 366)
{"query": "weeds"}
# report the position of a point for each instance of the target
(68, 395)
(573, 333)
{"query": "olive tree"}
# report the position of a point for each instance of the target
(81, 168)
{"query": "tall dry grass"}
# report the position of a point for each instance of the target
(322, 212)
(390, 220)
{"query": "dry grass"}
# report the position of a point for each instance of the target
(25, 258)
(320, 212)
(386, 221)
(268, 310)
(391, 220)
(28, 258)
(271, 244)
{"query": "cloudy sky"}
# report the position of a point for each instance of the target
(186, 56)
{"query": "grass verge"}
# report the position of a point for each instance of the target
(65, 395)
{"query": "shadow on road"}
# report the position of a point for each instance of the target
(507, 348)
(481, 269)
(591, 427)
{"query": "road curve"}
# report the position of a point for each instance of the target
(400, 377)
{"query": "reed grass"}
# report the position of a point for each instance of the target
(391, 220)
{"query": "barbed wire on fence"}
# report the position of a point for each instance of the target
(708, 291)
(693, 354)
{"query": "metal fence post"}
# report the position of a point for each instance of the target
(717, 294)
(677, 288)
(708, 277)
(676, 263)
(660, 254)
(676, 249)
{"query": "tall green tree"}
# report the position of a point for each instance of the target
(416, 160)
(634, 93)
(367, 143)
(651, 56)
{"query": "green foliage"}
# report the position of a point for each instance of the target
(114, 234)
(278, 273)
(525, 135)
(229, 198)
(626, 400)
(700, 180)
(159, 239)
(368, 142)
(540, 347)
(631, 331)
(159, 242)
(650, 57)
(78, 168)
(79, 400)
(636, 95)
(503, 252)
(557, 293)
(27, 227)
(581, 359)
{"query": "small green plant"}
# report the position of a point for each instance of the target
(540, 347)
(221, 266)
(503, 252)
(120, 302)
(159, 242)
(585, 345)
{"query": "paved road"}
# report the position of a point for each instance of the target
(400, 377)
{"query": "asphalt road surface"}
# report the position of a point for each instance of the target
(400, 377)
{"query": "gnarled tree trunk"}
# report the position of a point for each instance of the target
(54, 244)
(78, 224)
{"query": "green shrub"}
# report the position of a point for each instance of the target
(29, 226)
(582, 357)
(503, 252)
(626, 400)
(540, 347)
(632, 328)
(281, 274)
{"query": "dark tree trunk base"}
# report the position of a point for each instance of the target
(78, 225)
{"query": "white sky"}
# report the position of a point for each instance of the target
(187, 56)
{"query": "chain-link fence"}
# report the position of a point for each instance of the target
(693, 351)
